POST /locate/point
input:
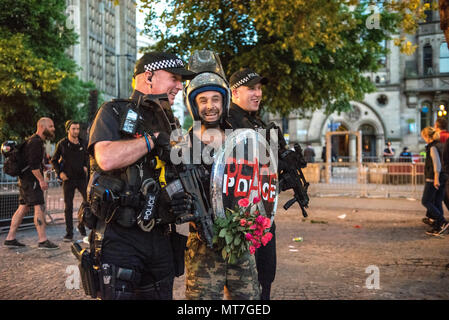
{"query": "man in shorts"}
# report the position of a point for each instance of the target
(31, 187)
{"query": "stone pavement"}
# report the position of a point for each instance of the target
(377, 251)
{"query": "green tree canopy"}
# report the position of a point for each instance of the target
(37, 78)
(314, 52)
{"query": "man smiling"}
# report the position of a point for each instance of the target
(246, 86)
(207, 97)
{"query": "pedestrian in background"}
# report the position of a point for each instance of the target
(441, 128)
(309, 154)
(32, 186)
(405, 155)
(389, 153)
(435, 181)
(70, 162)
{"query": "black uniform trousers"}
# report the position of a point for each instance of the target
(149, 254)
(266, 264)
(69, 187)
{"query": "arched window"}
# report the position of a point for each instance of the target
(444, 58)
(427, 60)
(368, 142)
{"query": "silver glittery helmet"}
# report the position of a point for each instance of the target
(210, 77)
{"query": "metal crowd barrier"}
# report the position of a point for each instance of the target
(54, 200)
(367, 179)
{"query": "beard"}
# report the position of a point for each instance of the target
(48, 134)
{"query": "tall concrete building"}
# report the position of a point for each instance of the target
(410, 92)
(106, 52)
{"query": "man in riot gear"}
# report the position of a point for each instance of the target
(127, 138)
(207, 97)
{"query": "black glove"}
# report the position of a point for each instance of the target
(163, 147)
(181, 204)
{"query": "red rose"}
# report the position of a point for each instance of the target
(266, 238)
(260, 220)
(243, 202)
(252, 249)
(267, 223)
(256, 200)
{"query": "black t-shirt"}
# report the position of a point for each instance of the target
(73, 158)
(106, 127)
(157, 117)
(34, 155)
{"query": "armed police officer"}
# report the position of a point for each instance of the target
(246, 86)
(207, 97)
(126, 138)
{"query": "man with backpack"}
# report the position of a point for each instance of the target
(70, 162)
(31, 186)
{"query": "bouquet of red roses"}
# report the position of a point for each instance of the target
(243, 229)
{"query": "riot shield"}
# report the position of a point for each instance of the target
(245, 167)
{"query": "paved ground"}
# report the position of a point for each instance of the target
(378, 251)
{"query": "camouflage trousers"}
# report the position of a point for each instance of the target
(207, 274)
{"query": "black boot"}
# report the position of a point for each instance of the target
(266, 289)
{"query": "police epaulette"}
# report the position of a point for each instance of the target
(120, 105)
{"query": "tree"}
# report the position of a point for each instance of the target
(313, 51)
(37, 78)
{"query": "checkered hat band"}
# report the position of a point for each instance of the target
(164, 64)
(244, 80)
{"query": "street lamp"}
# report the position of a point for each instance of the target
(117, 69)
(442, 112)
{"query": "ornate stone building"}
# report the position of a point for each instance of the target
(106, 52)
(410, 92)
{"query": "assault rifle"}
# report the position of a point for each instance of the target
(191, 178)
(188, 178)
(290, 172)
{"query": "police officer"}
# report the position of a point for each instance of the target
(246, 86)
(207, 97)
(136, 264)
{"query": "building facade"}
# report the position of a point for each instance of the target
(106, 52)
(410, 92)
